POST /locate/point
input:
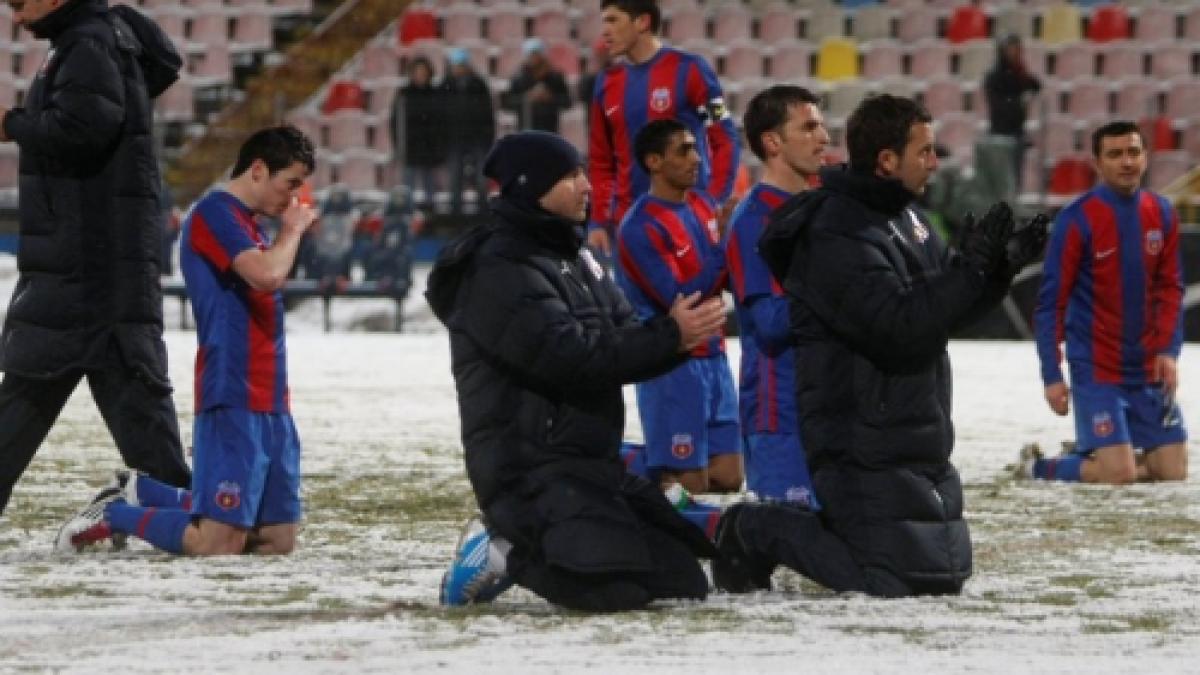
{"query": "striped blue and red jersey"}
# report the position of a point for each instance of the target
(673, 84)
(665, 249)
(241, 361)
(1112, 289)
(766, 386)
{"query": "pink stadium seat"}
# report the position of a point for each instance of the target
(31, 59)
(916, 24)
(1015, 19)
(210, 26)
(1155, 23)
(1088, 100)
(975, 59)
(1137, 98)
(551, 25)
(347, 129)
(841, 100)
(588, 25)
(1122, 60)
(674, 5)
(823, 22)
(379, 60)
(1191, 24)
(322, 175)
(792, 61)
(169, 20)
(1075, 60)
(1035, 58)
(942, 97)
(1166, 166)
(873, 22)
(380, 93)
(461, 23)
(505, 22)
(572, 124)
(8, 90)
(731, 22)
(929, 59)
(308, 122)
(1191, 136)
(1108, 23)
(252, 28)
(508, 60)
(359, 170)
(1057, 133)
(9, 165)
(882, 59)
(967, 22)
(743, 60)
(957, 131)
(1183, 98)
(777, 24)
(174, 104)
(1171, 60)
(686, 24)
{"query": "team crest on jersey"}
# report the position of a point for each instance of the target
(229, 495)
(681, 446)
(1154, 242)
(660, 100)
(1102, 424)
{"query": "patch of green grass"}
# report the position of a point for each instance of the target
(65, 590)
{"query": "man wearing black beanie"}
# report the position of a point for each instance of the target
(541, 343)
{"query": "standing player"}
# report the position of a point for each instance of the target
(1112, 289)
(669, 245)
(655, 82)
(246, 481)
(786, 131)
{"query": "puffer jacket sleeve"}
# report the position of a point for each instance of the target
(513, 312)
(855, 289)
(85, 109)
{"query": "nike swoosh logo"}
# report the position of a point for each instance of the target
(683, 251)
(1101, 255)
(612, 110)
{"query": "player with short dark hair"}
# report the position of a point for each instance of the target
(1112, 289)
(785, 130)
(245, 493)
(653, 82)
(669, 244)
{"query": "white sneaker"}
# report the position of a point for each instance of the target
(88, 526)
(1030, 454)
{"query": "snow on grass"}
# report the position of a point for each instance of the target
(1067, 578)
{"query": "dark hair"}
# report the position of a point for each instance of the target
(636, 8)
(419, 60)
(654, 138)
(768, 110)
(277, 147)
(1117, 128)
(881, 123)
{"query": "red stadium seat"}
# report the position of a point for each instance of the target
(417, 24)
(1109, 22)
(1072, 175)
(967, 22)
(343, 95)
(1158, 132)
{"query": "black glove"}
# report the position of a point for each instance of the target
(1027, 243)
(982, 243)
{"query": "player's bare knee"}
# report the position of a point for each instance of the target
(692, 481)
(725, 481)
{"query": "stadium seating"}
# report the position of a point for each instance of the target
(1122, 60)
(731, 23)
(974, 60)
(1072, 175)
(686, 24)
(930, 59)
(967, 22)
(1172, 60)
(1166, 166)
(778, 24)
(344, 95)
(417, 24)
(1109, 23)
(1137, 98)
(883, 59)
(504, 22)
(1061, 24)
(1155, 23)
(942, 97)
(837, 60)
(872, 22)
(823, 22)
(791, 61)
(552, 25)
(1074, 61)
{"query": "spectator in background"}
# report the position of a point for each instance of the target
(1009, 87)
(418, 129)
(539, 92)
(470, 125)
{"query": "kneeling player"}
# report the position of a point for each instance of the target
(246, 480)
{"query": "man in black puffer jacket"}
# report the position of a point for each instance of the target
(873, 298)
(541, 342)
(88, 301)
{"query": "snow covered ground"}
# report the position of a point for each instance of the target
(1067, 579)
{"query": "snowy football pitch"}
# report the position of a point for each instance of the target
(1067, 579)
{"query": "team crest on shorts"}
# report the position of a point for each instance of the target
(681, 446)
(660, 100)
(229, 495)
(1154, 242)
(1102, 424)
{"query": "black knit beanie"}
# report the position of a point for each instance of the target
(528, 163)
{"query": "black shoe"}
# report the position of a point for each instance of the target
(734, 571)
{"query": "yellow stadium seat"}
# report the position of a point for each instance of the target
(837, 60)
(1061, 23)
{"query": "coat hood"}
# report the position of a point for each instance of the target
(788, 223)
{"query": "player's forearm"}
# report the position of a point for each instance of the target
(268, 270)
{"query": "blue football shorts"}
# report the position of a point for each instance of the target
(246, 468)
(1140, 415)
(690, 415)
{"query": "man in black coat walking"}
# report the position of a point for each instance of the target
(873, 298)
(541, 342)
(88, 301)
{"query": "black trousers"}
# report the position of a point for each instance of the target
(140, 417)
(676, 573)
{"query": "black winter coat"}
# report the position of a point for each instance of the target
(418, 125)
(1004, 89)
(90, 237)
(541, 341)
(468, 114)
(873, 299)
